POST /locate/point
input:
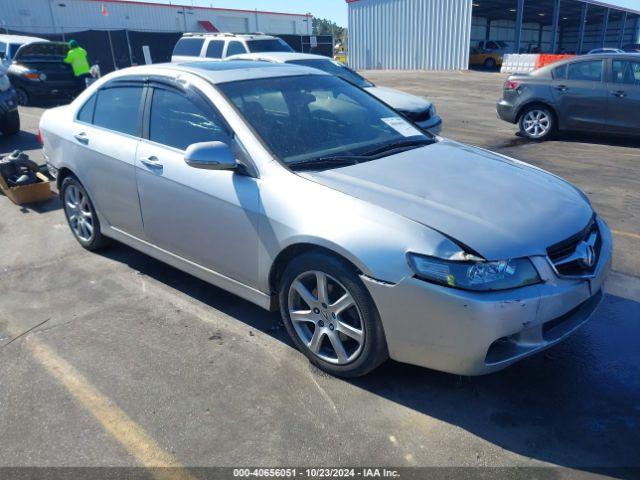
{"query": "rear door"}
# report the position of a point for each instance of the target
(580, 95)
(105, 138)
(624, 97)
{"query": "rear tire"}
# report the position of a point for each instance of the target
(11, 125)
(537, 123)
(23, 97)
(490, 64)
(335, 322)
(81, 215)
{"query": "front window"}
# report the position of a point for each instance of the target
(313, 117)
(235, 48)
(334, 68)
(270, 45)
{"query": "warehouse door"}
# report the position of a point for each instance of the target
(233, 24)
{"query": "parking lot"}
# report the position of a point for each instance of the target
(115, 359)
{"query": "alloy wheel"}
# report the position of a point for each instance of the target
(78, 210)
(326, 318)
(536, 123)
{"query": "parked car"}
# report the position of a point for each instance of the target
(419, 110)
(495, 46)
(9, 116)
(9, 45)
(216, 46)
(298, 191)
(39, 72)
(585, 94)
(488, 60)
(597, 51)
(632, 48)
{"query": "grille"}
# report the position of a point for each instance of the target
(422, 116)
(577, 255)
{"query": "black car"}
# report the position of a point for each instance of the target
(38, 71)
(9, 117)
(594, 93)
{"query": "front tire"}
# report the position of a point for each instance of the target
(22, 97)
(81, 215)
(537, 123)
(330, 316)
(490, 64)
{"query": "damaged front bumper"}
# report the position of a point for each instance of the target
(472, 333)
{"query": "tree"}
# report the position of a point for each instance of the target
(322, 26)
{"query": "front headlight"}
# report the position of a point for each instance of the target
(475, 275)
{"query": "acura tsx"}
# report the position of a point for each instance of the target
(302, 193)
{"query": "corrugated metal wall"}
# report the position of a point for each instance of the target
(409, 34)
(47, 16)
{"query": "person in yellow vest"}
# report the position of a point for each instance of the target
(77, 57)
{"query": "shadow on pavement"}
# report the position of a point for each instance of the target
(20, 141)
(576, 405)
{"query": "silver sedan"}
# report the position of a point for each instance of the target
(302, 193)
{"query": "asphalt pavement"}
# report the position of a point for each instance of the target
(115, 359)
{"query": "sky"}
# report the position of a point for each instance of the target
(335, 10)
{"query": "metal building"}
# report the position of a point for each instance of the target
(438, 34)
(65, 16)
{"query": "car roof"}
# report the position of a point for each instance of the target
(21, 39)
(221, 72)
(277, 57)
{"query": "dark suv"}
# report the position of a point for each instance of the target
(38, 71)
(595, 93)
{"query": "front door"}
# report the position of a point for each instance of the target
(624, 97)
(208, 217)
(581, 96)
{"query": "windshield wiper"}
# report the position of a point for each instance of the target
(327, 162)
(401, 145)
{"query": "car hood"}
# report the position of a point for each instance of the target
(405, 102)
(498, 207)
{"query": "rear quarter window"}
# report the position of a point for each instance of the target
(86, 112)
(189, 47)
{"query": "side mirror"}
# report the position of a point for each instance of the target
(210, 156)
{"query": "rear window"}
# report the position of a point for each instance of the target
(270, 45)
(586, 71)
(189, 47)
(560, 73)
(117, 109)
(214, 49)
(45, 50)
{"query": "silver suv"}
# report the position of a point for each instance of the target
(300, 192)
(216, 46)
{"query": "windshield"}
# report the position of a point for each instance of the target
(311, 117)
(43, 50)
(334, 68)
(272, 45)
(502, 44)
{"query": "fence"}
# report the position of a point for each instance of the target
(115, 49)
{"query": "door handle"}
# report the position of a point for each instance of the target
(82, 138)
(151, 162)
(619, 94)
(562, 88)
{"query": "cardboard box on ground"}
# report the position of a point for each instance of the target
(36, 192)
